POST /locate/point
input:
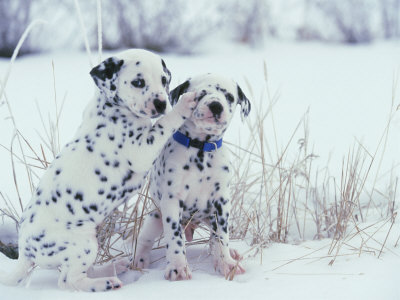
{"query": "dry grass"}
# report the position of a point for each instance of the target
(277, 194)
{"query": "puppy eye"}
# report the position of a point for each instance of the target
(138, 83)
(164, 80)
(229, 97)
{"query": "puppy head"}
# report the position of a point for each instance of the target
(217, 98)
(137, 79)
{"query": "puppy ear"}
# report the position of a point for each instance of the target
(105, 75)
(178, 91)
(166, 70)
(244, 103)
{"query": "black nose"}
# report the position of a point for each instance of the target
(160, 105)
(216, 108)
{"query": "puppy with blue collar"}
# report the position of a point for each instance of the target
(190, 180)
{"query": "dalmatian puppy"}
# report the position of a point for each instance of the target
(189, 180)
(103, 166)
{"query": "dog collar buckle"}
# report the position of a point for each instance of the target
(215, 146)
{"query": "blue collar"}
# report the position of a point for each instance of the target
(188, 142)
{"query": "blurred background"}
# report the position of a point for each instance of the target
(185, 26)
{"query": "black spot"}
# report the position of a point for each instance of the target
(89, 148)
(186, 167)
(71, 210)
(103, 178)
(58, 171)
(225, 168)
(168, 219)
(218, 207)
(150, 140)
(229, 97)
(79, 196)
(93, 207)
(86, 210)
(200, 166)
(100, 126)
(100, 192)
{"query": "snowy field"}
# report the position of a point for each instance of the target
(348, 94)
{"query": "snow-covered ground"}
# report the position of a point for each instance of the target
(348, 92)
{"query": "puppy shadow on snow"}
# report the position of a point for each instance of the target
(199, 259)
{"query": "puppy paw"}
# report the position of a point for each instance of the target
(186, 105)
(142, 260)
(235, 254)
(105, 284)
(228, 267)
(175, 272)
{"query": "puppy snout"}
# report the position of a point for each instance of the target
(216, 108)
(160, 105)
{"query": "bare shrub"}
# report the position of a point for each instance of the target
(156, 25)
(352, 19)
(390, 15)
(246, 21)
(14, 19)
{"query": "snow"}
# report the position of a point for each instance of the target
(348, 93)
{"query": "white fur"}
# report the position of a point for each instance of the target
(103, 166)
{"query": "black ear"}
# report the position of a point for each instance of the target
(178, 91)
(166, 69)
(244, 103)
(105, 75)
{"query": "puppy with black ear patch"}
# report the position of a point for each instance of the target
(103, 166)
(190, 179)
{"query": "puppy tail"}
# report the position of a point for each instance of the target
(20, 273)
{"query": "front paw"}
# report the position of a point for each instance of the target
(178, 271)
(186, 105)
(142, 260)
(228, 267)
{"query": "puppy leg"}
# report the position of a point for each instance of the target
(74, 270)
(226, 261)
(177, 266)
(152, 228)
